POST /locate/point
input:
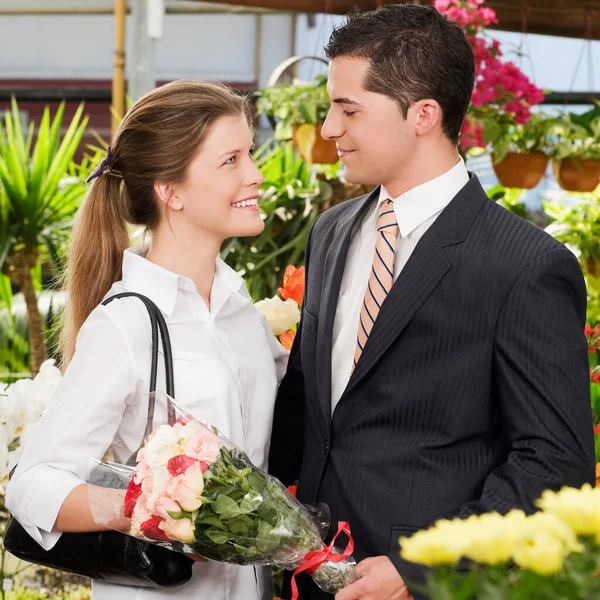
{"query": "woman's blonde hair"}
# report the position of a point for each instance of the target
(156, 141)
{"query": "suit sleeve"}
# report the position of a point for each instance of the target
(541, 383)
(287, 437)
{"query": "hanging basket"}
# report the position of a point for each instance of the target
(312, 147)
(577, 175)
(523, 171)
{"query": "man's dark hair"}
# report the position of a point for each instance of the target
(414, 53)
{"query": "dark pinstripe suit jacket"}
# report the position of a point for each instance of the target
(471, 395)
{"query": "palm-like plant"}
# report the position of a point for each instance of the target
(38, 199)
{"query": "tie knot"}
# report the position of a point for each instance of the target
(387, 218)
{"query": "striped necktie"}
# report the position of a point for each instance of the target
(382, 274)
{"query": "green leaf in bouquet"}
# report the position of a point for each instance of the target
(256, 481)
(240, 525)
(217, 536)
(211, 520)
(226, 507)
(250, 502)
(266, 539)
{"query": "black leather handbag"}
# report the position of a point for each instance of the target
(109, 555)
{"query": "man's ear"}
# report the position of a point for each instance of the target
(167, 194)
(428, 115)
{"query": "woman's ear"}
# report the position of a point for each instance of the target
(167, 194)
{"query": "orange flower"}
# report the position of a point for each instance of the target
(293, 284)
(287, 339)
(597, 474)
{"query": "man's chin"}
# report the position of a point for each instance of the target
(358, 176)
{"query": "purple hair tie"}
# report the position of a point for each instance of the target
(103, 168)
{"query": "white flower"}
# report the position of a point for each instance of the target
(281, 316)
(162, 445)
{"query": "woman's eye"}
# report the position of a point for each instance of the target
(230, 160)
(347, 113)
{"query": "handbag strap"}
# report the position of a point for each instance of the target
(157, 324)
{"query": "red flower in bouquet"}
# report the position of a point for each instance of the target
(293, 284)
(134, 491)
(151, 530)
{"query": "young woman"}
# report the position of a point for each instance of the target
(181, 167)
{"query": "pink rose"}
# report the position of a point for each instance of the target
(142, 471)
(178, 529)
(204, 446)
(187, 488)
(140, 514)
(165, 505)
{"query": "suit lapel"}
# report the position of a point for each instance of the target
(422, 274)
(335, 262)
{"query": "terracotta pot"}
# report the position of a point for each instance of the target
(521, 170)
(577, 175)
(312, 147)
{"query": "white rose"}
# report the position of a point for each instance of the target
(281, 316)
(162, 445)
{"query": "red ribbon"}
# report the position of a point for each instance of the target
(313, 560)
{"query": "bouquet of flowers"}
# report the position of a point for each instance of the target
(193, 491)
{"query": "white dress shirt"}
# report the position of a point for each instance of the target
(227, 366)
(415, 210)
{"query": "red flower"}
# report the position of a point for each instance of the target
(595, 377)
(151, 530)
(293, 284)
(597, 429)
(292, 489)
(133, 493)
(588, 330)
(180, 464)
(287, 339)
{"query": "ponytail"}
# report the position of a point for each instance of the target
(95, 256)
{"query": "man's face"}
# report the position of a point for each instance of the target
(374, 141)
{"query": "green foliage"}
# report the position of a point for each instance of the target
(294, 104)
(507, 136)
(509, 198)
(577, 135)
(14, 334)
(291, 198)
(576, 223)
(38, 194)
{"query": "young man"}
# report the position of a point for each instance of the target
(440, 368)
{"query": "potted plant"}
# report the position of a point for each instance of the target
(520, 152)
(38, 198)
(576, 157)
(299, 110)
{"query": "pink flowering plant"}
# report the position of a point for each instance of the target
(503, 95)
(193, 491)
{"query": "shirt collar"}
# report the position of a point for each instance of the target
(162, 286)
(420, 203)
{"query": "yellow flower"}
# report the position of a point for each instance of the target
(579, 508)
(494, 537)
(442, 544)
(539, 552)
(544, 543)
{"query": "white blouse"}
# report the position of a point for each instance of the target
(227, 366)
